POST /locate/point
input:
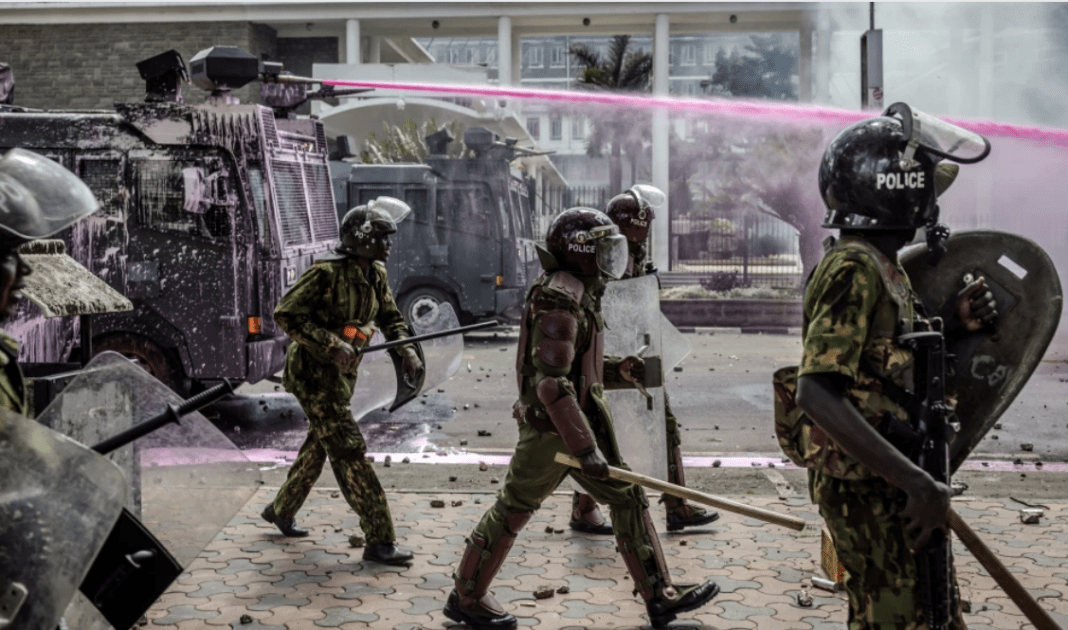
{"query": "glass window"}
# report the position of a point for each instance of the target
(190, 197)
(559, 57)
(710, 53)
(556, 128)
(454, 55)
(419, 200)
(578, 129)
(491, 56)
(534, 127)
(689, 55)
(467, 209)
(471, 55)
(535, 56)
(104, 176)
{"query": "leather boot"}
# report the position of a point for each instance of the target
(587, 517)
(652, 581)
(284, 525)
(681, 514)
(387, 553)
(470, 602)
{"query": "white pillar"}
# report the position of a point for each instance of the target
(374, 55)
(804, 64)
(504, 51)
(985, 109)
(352, 41)
(661, 132)
(822, 91)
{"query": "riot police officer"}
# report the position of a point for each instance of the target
(333, 307)
(880, 179)
(560, 371)
(38, 198)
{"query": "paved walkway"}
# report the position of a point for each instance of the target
(251, 578)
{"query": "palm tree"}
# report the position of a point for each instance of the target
(621, 70)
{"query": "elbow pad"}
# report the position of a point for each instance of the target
(559, 399)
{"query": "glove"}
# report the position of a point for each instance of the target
(594, 464)
(412, 364)
(632, 369)
(344, 355)
(976, 306)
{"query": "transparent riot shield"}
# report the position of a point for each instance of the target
(376, 385)
(58, 502)
(192, 477)
(631, 311)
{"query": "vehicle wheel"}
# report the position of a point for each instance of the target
(162, 363)
(421, 300)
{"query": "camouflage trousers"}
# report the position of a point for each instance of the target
(332, 432)
(871, 544)
(533, 475)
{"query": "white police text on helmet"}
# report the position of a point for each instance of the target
(582, 249)
(900, 181)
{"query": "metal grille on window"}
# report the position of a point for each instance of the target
(291, 203)
(323, 212)
(104, 178)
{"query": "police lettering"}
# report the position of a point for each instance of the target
(584, 249)
(895, 181)
(639, 223)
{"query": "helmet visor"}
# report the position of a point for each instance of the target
(648, 195)
(44, 198)
(395, 208)
(612, 255)
(940, 137)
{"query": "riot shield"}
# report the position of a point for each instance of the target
(378, 380)
(192, 481)
(58, 502)
(631, 311)
(990, 366)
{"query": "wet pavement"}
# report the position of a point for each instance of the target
(250, 577)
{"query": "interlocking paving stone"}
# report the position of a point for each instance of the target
(319, 581)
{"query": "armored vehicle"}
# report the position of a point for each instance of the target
(470, 239)
(209, 213)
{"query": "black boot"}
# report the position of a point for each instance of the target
(387, 553)
(663, 610)
(586, 516)
(486, 614)
(285, 525)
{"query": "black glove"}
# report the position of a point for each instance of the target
(594, 464)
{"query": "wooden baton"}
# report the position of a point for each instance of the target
(1012, 587)
(653, 483)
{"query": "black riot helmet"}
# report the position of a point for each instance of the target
(38, 197)
(633, 212)
(884, 173)
(585, 242)
(364, 226)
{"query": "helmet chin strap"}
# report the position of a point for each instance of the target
(937, 234)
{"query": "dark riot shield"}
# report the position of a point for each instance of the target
(991, 367)
(58, 501)
(633, 323)
(381, 381)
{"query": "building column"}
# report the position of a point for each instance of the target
(374, 55)
(352, 42)
(821, 74)
(504, 51)
(661, 133)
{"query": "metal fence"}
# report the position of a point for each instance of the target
(726, 251)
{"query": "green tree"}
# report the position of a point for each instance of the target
(765, 69)
(407, 142)
(621, 70)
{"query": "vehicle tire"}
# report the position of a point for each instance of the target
(162, 363)
(415, 302)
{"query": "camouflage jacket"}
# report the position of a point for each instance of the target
(852, 316)
(331, 298)
(12, 384)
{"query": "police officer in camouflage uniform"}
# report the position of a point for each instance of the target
(38, 197)
(332, 310)
(561, 408)
(880, 179)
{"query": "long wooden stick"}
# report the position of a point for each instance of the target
(653, 483)
(1012, 587)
